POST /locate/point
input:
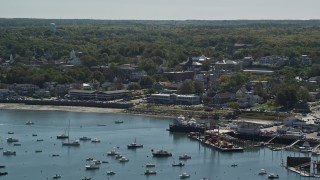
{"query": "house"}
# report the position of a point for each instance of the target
(6, 94)
(74, 59)
(180, 76)
(131, 72)
(242, 92)
(305, 61)
(191, 65)
(249, 100)
(24, 89)
(222, 98)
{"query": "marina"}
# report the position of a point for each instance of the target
(70, 162)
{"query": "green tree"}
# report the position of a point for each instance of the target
(187, 87)
(303, 94)
(198, 87)
(287, 97)
(147, 82)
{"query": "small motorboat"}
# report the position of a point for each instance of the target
(9, 153)
(184, 157)
(262, 172)
(86, 178)
(184, 175)
(92, 166)
(29, 123)
(95, 140)
(180, 164)
(57, 176)
(118, 122)
(112, 153)
(3, 173)
(84, 138)
(234, 165)
(149, 172)
(123, 159)
(110, 173)
(150, 165)
(273, 176)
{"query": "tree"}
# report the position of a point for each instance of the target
(198, 87)
(287, 97)
(187, 87)
(134, 86)
(147, 82)
(303, 94)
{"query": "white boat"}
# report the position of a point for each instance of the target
(184, 175)
(9, 153)
(57, 176)
(110, 173)
(92, 166)
(94, 161)
(184, 157)
(118, 156)
(123, 159)
(262, 172)
(273, 176)
(112, 153)
(29, 123)
(95, 140)
(149, 172)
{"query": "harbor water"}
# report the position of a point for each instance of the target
(52, 158)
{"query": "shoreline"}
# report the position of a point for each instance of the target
(21, 106)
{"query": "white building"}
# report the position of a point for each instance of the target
(174, 99)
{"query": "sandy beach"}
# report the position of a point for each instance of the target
(17, 106)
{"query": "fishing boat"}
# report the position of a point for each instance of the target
(180, 124)
(161, 153)
(134, 145)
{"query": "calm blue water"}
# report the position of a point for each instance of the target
(149, 131)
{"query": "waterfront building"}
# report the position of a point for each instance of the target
(97, 95)
(174, 99)
(249, 129)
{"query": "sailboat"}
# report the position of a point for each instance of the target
(70, 143)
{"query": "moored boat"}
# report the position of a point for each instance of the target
(11, 140)
(184, 157)
(273, 176)
(180, 164)
(71, 143)
(112, 153)
(57, 176)
(161, 153)
(3, 173)
(110, 173)
(149, 172)
(184, 175)
(262, 172)
(180, 124)
(92, 166)
(150, 165)
(95, 140)
(85, 138)
(123, 159)
(9, 153)
(134, 145)
(86, 178)
(29, 123)
(118, 122)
